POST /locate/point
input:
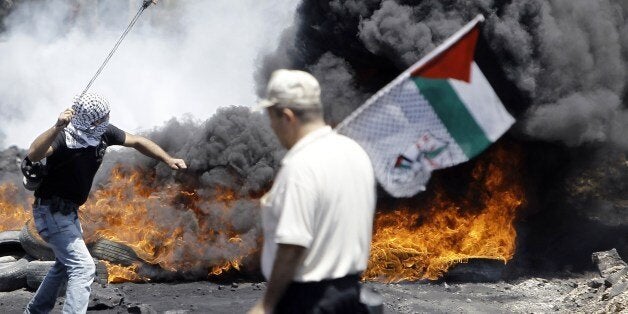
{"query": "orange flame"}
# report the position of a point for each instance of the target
(422, 242)
(118, 274)
(12, 214)
(126, 210)
(410, 242)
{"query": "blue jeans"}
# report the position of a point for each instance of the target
(73, 263)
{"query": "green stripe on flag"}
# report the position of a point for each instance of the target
(454, 114)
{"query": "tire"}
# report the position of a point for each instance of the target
(8, 259)
(35, 273)
(10, 237)
(102, 274)
(10, 243)
(37, 270)
(114, 252)
(13, 275)
(33, 244)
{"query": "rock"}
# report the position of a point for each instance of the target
(141, 309)
(595, 283)
(617, 289)
(104, 297)
(615, 277)
(608, 262)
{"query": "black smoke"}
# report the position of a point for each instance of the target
(560, 67)
(568, 59)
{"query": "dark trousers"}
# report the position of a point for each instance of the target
(341, 295)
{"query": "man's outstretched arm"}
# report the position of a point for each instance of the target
(150, 149)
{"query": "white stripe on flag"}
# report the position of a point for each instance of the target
(483, 104)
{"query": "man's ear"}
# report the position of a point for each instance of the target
(288, 114)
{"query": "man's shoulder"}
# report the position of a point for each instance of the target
(329, 149)
(114, 135)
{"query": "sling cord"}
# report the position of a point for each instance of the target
(145, 5)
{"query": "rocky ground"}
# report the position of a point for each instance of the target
(599, 292)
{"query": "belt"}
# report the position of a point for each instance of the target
(57, 204)
(350, 280)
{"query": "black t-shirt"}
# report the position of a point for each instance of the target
(71, 171)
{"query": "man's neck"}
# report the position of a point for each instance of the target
(306, 129)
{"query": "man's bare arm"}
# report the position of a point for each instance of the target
(150, 149)
(287, 260)
(40, 147)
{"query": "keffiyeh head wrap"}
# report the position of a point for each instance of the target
(90, 121)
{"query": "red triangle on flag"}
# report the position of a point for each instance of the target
(454, 62)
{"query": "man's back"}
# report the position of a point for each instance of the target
(325, 199)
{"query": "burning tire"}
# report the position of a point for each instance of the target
(33, 244)
(13, 275)
(114, 252)
(477, 270)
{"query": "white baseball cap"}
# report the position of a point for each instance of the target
(292, 89)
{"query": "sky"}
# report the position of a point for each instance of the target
(182, 59)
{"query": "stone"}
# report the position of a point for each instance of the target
(617, 289)
(595, 283)
(608, 262)
(141, 309)
(615, 277)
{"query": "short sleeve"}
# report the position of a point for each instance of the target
(59, 141)
(114, 136)
(297, 202)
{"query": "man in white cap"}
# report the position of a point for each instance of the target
(74, 148)
(318, 215)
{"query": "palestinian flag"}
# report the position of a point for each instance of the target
(440, 112)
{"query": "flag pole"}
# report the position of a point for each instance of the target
(434, 53)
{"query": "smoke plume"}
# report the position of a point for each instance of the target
(568, 57)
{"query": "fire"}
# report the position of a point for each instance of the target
(13, 215)
(118, 273)
(179, 229)
(170, 227)
(422, 241)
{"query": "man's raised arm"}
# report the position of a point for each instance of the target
(40, 147)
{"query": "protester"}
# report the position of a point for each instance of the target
(318, 216)
(74, 148)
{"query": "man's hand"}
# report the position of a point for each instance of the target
(64, 118)
(147, 3)
(176, 164)
(258, 308)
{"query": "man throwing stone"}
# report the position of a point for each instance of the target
(74, 148)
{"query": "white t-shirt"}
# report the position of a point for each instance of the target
(323, 199)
